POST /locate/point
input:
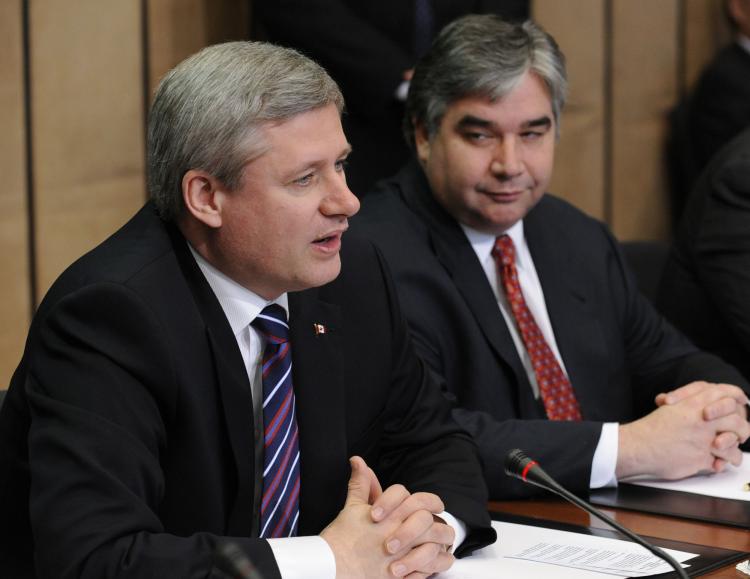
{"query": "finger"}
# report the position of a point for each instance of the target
(732, 456)
(375, 489)
(681, 393)
(718, 391)
(388, 501)
(419, 528)
(719, 464)
(722, 407)
(428, 559)
(732, 423)
(725, 441)
(416, 502)
(362, 482)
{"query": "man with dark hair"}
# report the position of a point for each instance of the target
(369, 48)
(212, 370)
(522, 305)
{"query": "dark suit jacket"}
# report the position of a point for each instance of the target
(719, 108)
(705, 289)
(366, 47)
(715, 112)
(136, 406)
(619, 353)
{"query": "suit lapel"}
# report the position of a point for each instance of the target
(233, 383)
(456, 255)
(318, 378)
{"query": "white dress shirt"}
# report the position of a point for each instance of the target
(605, 455)
(297, 557)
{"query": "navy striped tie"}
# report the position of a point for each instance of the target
(280, 503)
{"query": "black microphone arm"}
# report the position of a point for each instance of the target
(518, 465)
(233, 561)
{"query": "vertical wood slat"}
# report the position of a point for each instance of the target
(705, 32)
(579, 166)
(644, 89)
(15, 292)
(179, 28)
(87, 119)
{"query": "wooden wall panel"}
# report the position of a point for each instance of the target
(579, 168)
(15, 294)
(87, 125)
(705, 31)
(644, 89)
(179, 28)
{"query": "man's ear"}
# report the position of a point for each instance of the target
(421, 142)
(203, 195)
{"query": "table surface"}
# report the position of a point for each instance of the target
(642, 523)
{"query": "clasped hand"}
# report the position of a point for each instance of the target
(695, 428)
(725, 408)
(390, 533)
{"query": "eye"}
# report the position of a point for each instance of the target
(531, 135)
(305, 180)
(341, 165)
(477, 137)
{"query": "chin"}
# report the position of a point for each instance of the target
(322, 276)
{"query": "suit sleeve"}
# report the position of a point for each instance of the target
(101, 387)
(659, 357)
(424, 449)
(566, 449)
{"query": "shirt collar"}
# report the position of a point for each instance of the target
(240, 305)
(744, 42)
(482, 243)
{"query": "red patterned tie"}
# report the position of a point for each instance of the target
(557, 393)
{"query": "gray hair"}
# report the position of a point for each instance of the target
(208, 110)
(481, 55)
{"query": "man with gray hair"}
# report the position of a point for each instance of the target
(220, 367)
(522, 305)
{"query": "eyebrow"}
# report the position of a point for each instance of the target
(469, 121)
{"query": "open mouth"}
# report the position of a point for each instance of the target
(327, 238)
(330, 242)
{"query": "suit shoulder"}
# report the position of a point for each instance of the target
(564, 213)
(137, 247)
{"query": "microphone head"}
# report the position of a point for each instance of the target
(515, 462)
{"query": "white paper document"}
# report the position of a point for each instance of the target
(529, 551)
(732, 483)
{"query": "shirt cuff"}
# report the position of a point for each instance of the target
(605, 457)
(459, 527)
(304, 558)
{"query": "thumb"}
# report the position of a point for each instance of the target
(358, 491)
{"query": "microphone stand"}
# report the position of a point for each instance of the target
(518, 465)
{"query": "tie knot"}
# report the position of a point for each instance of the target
(504, 250)
(271, 322)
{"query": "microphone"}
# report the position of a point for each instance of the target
(233, 561)
(518, 465)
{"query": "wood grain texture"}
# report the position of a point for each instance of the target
(644, 89)
(87, 111)
(705, 32)
(578, 27)
(179, 28)
(15, 292)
